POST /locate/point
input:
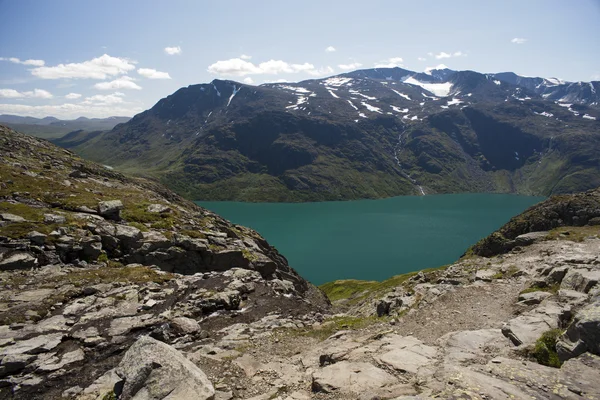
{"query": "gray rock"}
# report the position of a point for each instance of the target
(485, 275)
(36, 238)
(110, 209)
(185, 325)
(581, 280)
(153, 370)
(530, 238)
(11, 218)
(17, 260)
(353, 377)
(533, 297)
(54, 219)
(35, 345)
(406, 354)
(583, 334)
(14, 363)
(158, 208)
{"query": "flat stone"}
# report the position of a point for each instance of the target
(406, 354)
(35, 345)
(356, 377)
(11, 217)
(56, 363)
(54, 219)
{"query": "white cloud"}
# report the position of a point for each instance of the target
(443, 54)
(35, 63)
(239, 67)
(153, 74)
(421, 59)
(105, 99)
(245, 57)
(173, 50)
(39, 94)
(330, 49)
(35, 93)
(123, 82)
(97, 68)
(391, 63)
(596, 77)
(10, 93)
(440, 66)
(518, 40)
(347, 67)
(248, 80)
(69, 110)
(73, 96)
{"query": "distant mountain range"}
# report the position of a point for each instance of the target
(50, 127)
(365, 134)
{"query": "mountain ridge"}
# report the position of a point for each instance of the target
(363, 134)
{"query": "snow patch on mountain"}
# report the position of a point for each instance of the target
(336, 81)
(403, 111)
(331, 92)
(401, 94)
(439, 89)
(363, 95)
(370, 107)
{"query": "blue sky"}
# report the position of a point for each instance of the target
(71, 58)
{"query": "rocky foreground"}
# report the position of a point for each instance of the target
(113, 288)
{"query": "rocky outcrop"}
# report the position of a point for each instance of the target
(562, 210)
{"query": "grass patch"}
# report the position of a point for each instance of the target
(193, 234)
(550, 289)
(354, 291)
(331, 326)
(574, 233)
(32, 214)
(545, 349)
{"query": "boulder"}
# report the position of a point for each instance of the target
(185, 325)
(110, 209)
(153, 370)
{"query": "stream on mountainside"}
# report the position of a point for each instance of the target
(375, 239)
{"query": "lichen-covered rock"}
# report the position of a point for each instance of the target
(153, 370)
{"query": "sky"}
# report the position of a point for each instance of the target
(72, 58)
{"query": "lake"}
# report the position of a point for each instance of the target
(375, 239)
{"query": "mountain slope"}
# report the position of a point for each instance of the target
(364, 134)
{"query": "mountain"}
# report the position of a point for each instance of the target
(50, 127)
(364, 134)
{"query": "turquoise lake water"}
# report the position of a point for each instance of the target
(375, 239)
